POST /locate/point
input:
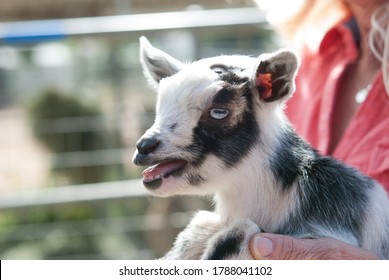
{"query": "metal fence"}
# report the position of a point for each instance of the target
(93, 194)
(87, 206)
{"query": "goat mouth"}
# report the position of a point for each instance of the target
(153, 175)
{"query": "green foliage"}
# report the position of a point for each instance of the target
(80, 230)
(52, 104)
(69, 129)
(52, 113)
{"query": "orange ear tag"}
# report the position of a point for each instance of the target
(264, 85)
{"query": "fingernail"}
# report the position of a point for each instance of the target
(263, 247)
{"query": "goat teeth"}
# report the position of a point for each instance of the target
(152, 178)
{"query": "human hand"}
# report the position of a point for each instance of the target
(267, 246)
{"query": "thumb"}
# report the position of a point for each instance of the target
(266, 246)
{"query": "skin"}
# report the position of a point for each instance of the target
(266, 246)
(359, 74)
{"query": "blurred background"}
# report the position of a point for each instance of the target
(73, 102)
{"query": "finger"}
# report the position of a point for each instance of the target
(266, 246)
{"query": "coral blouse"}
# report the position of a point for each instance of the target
(365, 142)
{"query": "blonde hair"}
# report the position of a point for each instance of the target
(379, 40)
(312, 18)
(302, 15)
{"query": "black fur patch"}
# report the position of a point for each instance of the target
(229, 143)
(225, 96)
(227, 246)
(328, 190)
(292, 158)
(228, 74)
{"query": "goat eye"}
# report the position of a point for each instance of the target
(218, 114)
(218, 70)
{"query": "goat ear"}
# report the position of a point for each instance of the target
(157, 64)
(274, 75)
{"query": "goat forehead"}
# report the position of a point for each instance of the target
(186, 94)
(228, 60)
(188, 89)
(197, 81)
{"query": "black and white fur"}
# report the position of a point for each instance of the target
(220, 130)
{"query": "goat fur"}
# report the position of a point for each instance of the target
(220, 130)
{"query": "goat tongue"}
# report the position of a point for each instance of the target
(163, 169)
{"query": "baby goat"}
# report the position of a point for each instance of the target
(220, 130)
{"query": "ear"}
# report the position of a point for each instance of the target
(274, 75)
(157, 64)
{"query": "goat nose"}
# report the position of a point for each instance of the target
(147, 145)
